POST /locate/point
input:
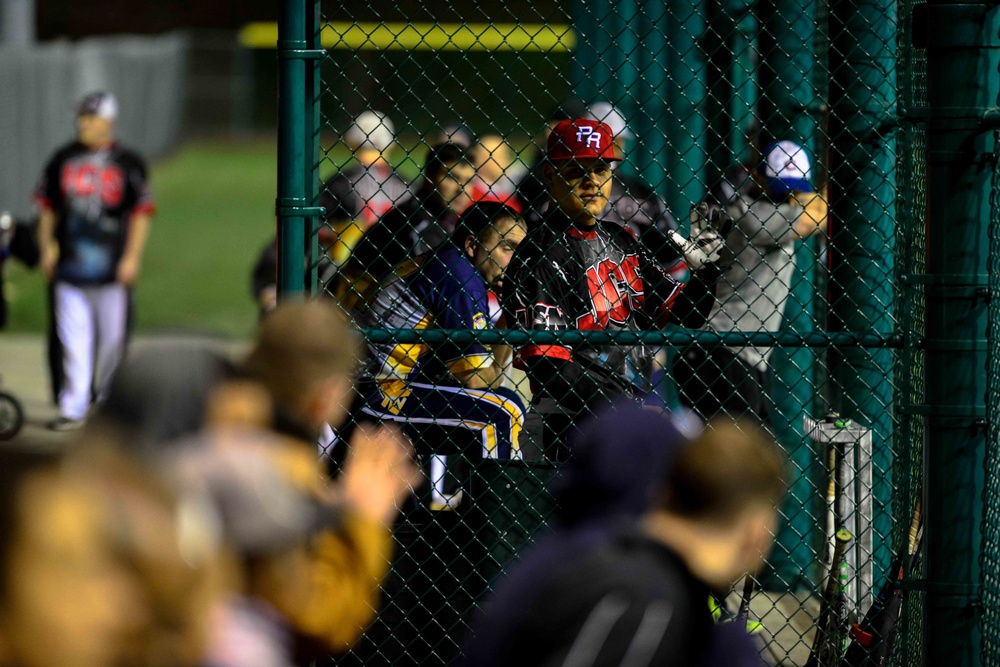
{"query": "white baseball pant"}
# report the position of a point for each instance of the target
(91, 322)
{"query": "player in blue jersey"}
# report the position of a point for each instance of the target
(452, 393)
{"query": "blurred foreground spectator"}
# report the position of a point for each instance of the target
(304, 355)
(635, 591)
(297, 378)
(64, 599)
(101, 563)
(274, 518)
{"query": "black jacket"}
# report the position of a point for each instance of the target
(600, 278)
(602, 595)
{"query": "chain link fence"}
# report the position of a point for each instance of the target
(443, 232)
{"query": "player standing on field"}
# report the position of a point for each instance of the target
(574, 271)
(94, 215)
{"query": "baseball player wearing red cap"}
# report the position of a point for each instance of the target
(574, 271)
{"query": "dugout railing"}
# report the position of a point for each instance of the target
(883, 322)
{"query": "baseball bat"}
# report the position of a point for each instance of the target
(872, 638)
(828, 643)
(831, 508)
(743, 615)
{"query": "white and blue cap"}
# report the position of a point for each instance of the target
(99, 103)
(786, 168)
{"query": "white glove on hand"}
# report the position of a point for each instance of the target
(700, 250)
(709, 227)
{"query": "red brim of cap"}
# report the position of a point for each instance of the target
(583, 157)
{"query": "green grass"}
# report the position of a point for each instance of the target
(215, 213)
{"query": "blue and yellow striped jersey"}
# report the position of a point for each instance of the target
(440, 290)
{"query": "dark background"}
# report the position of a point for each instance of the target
(233, 89)
(77, 18)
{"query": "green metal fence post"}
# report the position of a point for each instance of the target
(293, 158)
(963, 51)
(863, 111)
(787, 30)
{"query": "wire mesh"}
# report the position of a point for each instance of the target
(479, 319)
(990, 564)
(911, 306)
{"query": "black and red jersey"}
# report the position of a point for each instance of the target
(564, 276)
(94, 193)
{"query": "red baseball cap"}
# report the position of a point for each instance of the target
(581, 139)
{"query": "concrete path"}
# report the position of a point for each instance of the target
(24, 373)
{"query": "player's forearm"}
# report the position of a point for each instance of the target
(138, 234)
(482, 378)
(502, 355)
(46, 229)
(815, 213)
(694, 304)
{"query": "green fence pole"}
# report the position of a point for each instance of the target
(962, 58)
(293, 45)
(863, 112)
(786, 34)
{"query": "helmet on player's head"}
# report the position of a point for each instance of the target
(371, 130)
(99, 103)
(786, 168)
(581, 139)
(606, 113)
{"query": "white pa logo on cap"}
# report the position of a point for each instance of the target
(588, 135)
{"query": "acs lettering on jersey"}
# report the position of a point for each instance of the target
(615, 292)
(82, 180)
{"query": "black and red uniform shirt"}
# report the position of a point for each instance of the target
(94, 194)
(596, 278)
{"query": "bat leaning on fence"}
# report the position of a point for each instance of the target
(828, 644)
(743, 615)
(872, 638)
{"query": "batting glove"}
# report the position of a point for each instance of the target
(705, 217)
(701, 250)
(709, 227)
